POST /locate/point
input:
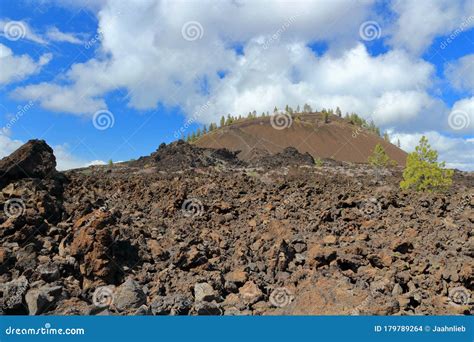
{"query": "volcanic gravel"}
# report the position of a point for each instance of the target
(189, 231)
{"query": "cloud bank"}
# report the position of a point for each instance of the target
(190, 55)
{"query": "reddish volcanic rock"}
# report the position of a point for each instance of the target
(35, 159)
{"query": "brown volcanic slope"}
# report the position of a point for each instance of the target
(338, 139)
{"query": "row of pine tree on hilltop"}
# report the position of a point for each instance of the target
(423, 172)
(228, 120)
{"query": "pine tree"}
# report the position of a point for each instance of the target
(357, 120)
(423, 172)
(275, 109)
(372, 127)
(338, 112)
(222, 122)
(379, 157)
(307, 108)
(298, 109)
(398, 143)
(325, 116)
(198, 132)
(204, 130)
(386, 137)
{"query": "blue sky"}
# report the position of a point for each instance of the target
(153, 67)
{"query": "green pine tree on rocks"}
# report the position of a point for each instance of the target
(423, 172)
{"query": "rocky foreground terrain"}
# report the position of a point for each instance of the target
(197, 231)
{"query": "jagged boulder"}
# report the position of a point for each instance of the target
(35, 159)
(91, 242)
(180, 155)
(289, 156)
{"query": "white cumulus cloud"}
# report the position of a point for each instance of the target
(14, 68)
(148, 51)
(461, 73)
(420, 21)
(66, 160)
(55, 35)
(21, 29)
(461, 117)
